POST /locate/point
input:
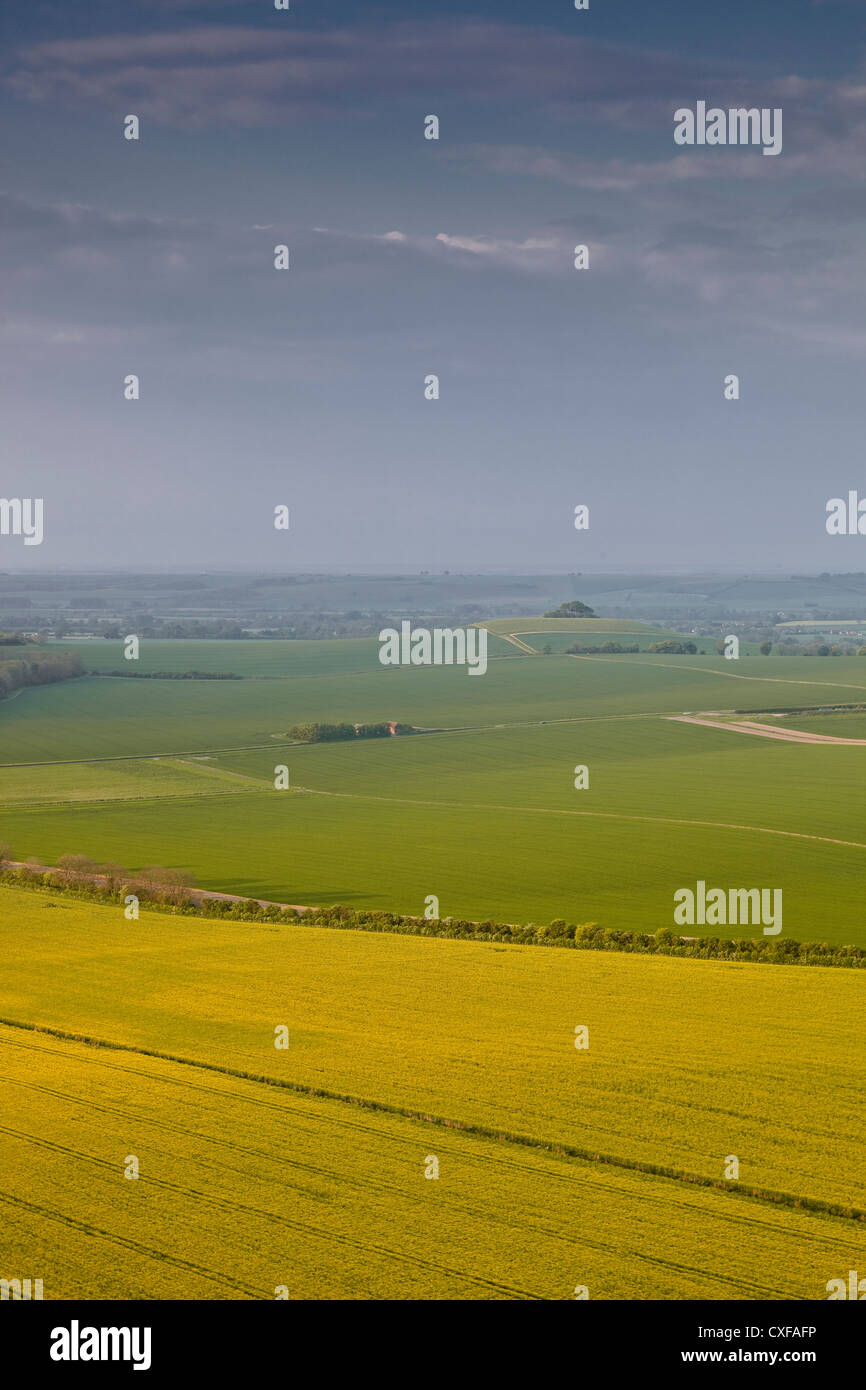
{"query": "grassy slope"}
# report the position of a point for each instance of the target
(126, 780)
(307, 849)
(430, 814)
(653, 767)
(244, 658)
(100, 717)
(834, 725)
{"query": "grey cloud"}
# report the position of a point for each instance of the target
(611, 175)
(77, 222)
(252, 76)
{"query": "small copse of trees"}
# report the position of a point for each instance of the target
(334, 733)
(670, 647)
(574, 609)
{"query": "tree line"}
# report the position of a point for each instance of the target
(171, 890)
(77, 873)
(607, 648)
(810, 649)
(668, 648)
(172, 675)
(40, 668)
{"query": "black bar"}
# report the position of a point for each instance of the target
(227, 1339)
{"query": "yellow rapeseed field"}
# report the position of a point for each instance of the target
(688, 1065)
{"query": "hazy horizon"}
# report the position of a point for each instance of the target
(465, 571)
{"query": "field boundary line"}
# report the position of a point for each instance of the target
(512, 638)
(518, 643)
(159, 757)
(297, 743)
(723, 675)
(602, 815)
(766, 1196)
(132, 800)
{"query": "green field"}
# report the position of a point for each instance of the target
(102, 717)
(247, 658)
(427, 1047)
(245, 1186)
(430, 815)
(181, 773)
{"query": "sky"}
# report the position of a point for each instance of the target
(305, 387)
